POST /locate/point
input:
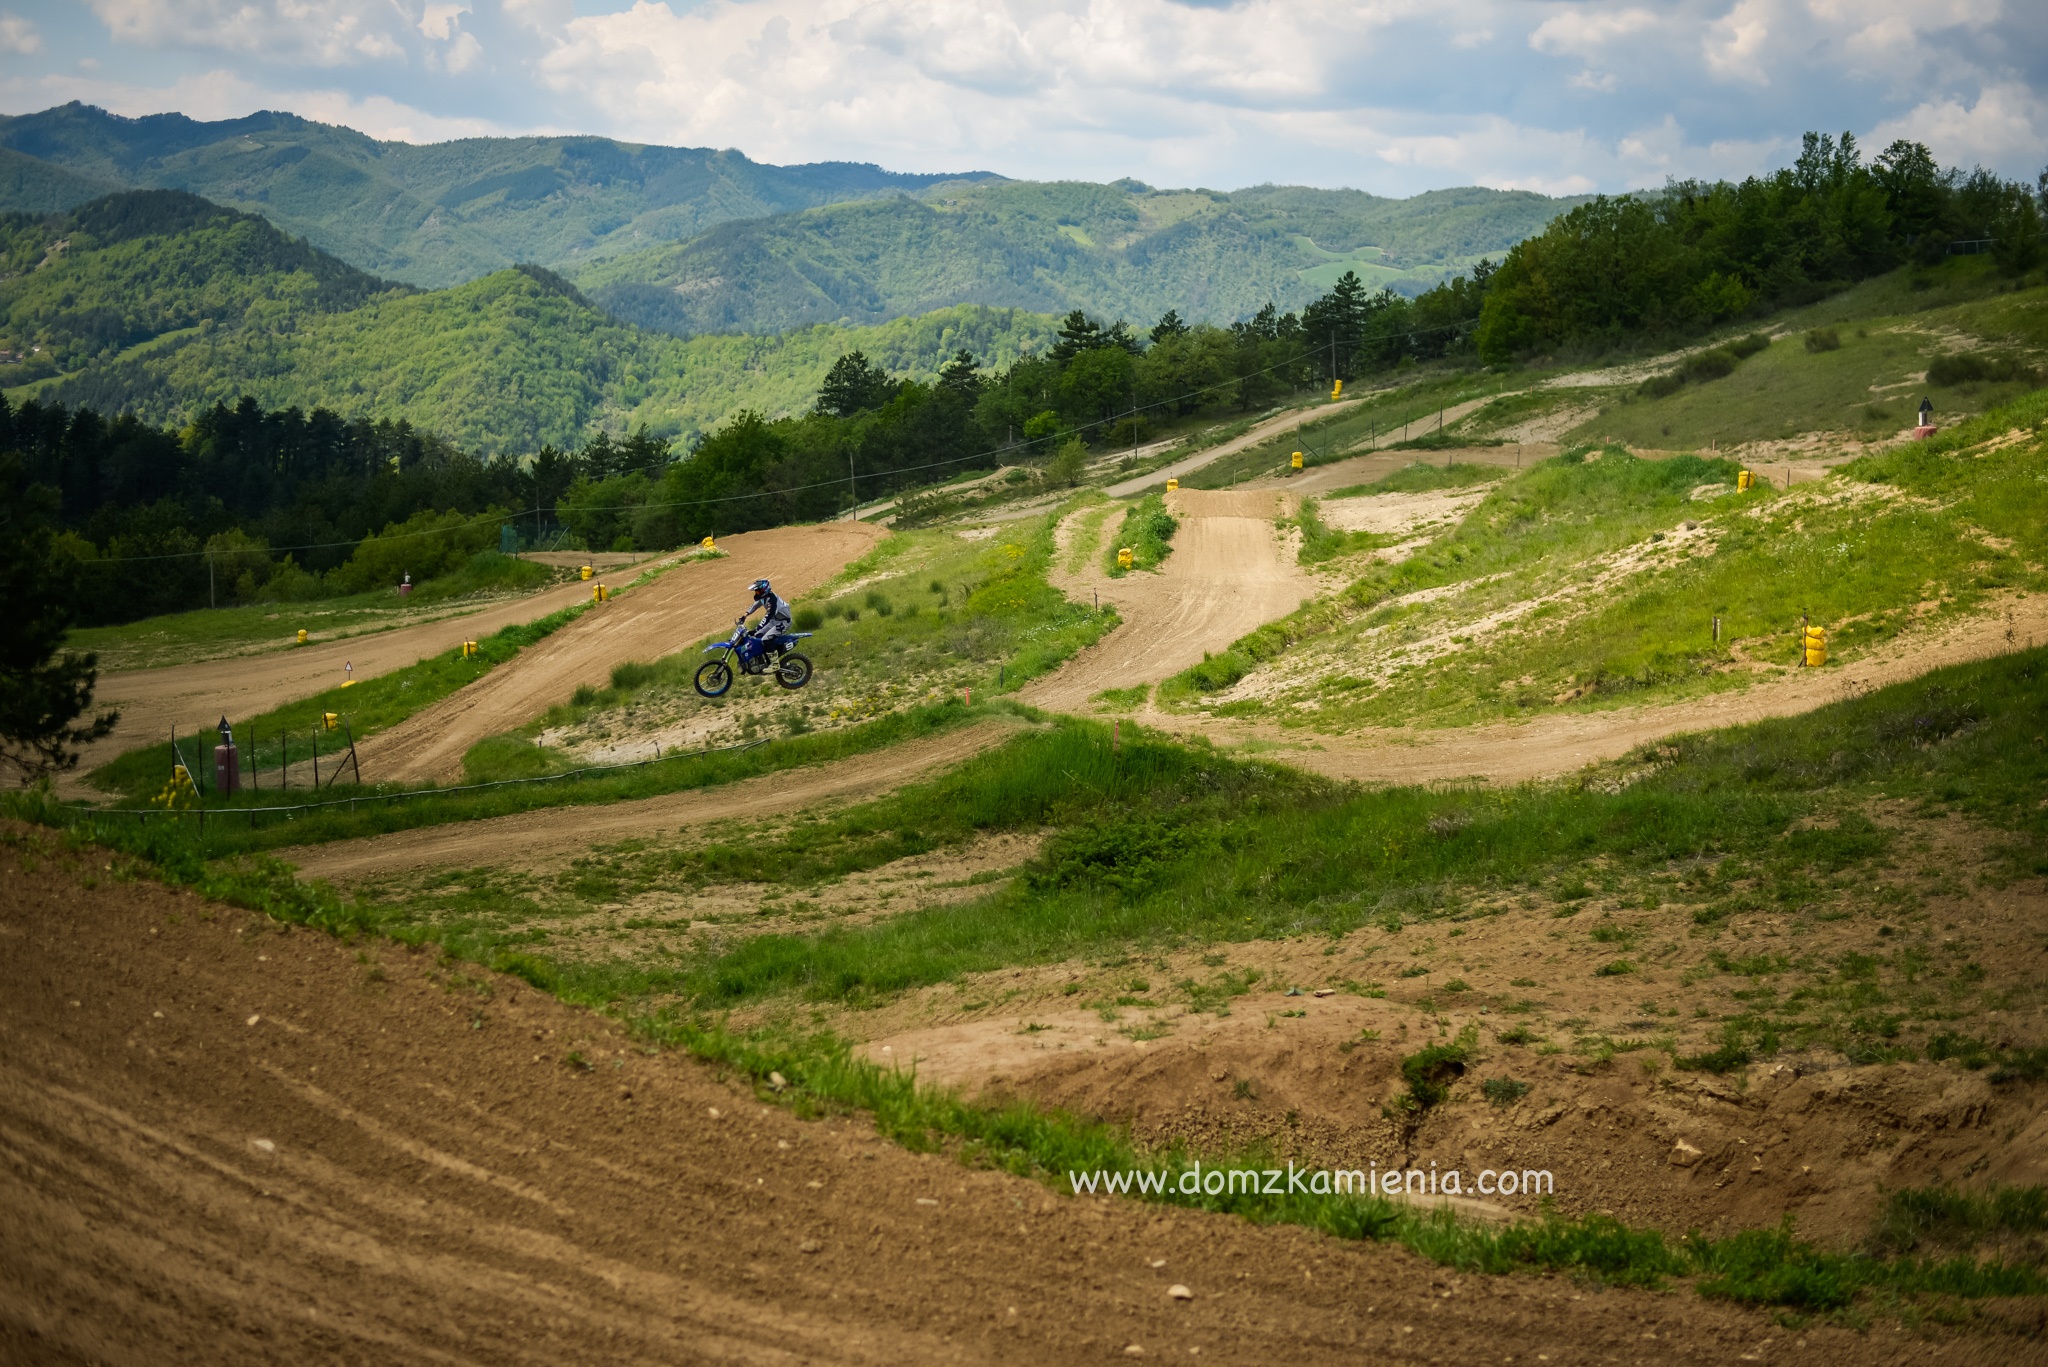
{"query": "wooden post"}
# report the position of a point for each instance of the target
(284, 759)
(349, 731)
(316, 756)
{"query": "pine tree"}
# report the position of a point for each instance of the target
(1169, 325)
(853, 385)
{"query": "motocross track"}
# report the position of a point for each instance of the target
(1228, 574)
(674, 611)
(558, 834)
(228, 1141)
(190, 697)
(1560, 743)
(1265, 431)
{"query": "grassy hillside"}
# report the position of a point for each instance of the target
(431, 215)
(1119, 250)
(160, 304)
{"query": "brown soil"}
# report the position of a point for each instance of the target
(554, 835)
(192, 697)
(1228, 573)
(1308, 1076)
(674, 611)
(230, 1142)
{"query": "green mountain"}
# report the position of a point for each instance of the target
(431, 215)
(1117, 250)
(160, 303)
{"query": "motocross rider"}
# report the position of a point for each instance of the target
(774, 622)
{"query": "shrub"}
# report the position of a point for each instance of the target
(1823, 339)
(1431, 1072)
(1504, 1091)
(1742, 348)
(809, 619)
(1968, 366)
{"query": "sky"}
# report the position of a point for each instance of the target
(1392, 96)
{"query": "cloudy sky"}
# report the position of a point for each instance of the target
(1394, 96)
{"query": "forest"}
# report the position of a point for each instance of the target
(1660, 267)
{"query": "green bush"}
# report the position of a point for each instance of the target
(1147, 530)
(1823, 339)
(424, 545)
(1978, 366)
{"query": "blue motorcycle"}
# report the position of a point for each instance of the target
(772, 656)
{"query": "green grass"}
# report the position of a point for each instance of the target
(1424, 477)
(224, 836)
(1865, 387)
(208, 634)
(370, 706)
(933, 615)
(1321, 543)
(1860, 568)
(1164, 843)
(1146, 532)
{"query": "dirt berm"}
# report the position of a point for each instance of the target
(229, 1142)
(681, 607)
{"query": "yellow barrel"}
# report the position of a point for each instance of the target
(1816, 647)
(1171, 485)
(302, 635)
(1337, 390)
(333, 720)
(1744, 480)
(708, 544)
(468, 649)
(1123, 558)
(1297, 460)
(587, 571)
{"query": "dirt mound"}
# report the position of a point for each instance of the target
(680, 608)
(1229, 573)
(233, 1143)
(555, 835)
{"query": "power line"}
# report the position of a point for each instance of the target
(987, 454)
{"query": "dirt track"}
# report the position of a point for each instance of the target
(231, 1143)
(557, 834)
(1560, 743)
(1265, 431)
(1228, 574)
(679, 608)
(151, 701)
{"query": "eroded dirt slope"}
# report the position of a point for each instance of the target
(228, 1142)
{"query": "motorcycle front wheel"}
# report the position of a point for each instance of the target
(714, 678)
(793, 672)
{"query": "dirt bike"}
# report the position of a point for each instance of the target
(755, 656)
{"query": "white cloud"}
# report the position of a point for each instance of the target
(18, 35)
(1581, 33)
(2007, 126)
(1392, 95)
(310, 32)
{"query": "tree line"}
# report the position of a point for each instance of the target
(1657, 267)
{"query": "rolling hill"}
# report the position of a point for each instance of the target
(1119, 250)
(432, 215)
(690, 241)
(160, 303)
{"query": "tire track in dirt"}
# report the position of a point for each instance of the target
(1228, 574)
(231, 1142)
(678, 609)
(555, 835)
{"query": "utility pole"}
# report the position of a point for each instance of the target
(853, 513)
(211, 601)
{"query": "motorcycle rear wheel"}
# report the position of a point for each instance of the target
(794, 671)
(714, 677)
